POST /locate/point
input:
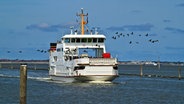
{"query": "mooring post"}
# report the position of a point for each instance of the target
(35, 66)
(179, 72)
(11, 66)
(141, 72)
(23, 83)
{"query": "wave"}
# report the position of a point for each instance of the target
(8, 76)
(28, 77)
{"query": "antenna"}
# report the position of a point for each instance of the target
(82, 10)
(71, 29)
(83, 22)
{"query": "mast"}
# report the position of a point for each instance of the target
(83, 22)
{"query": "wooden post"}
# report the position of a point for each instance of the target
(141, 72)
(23, 83)
(179, 72)
(11, 65)
(35, 66)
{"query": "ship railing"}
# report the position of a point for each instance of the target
(81, 61)
(102, 61)
(95, 61)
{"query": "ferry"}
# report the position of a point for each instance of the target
(81, 56)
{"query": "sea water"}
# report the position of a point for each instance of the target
(126, 89)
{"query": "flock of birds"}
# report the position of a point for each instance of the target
(116, 36)
(38, 50)
(119, 35)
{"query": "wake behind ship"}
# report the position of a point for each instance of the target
(81, 56)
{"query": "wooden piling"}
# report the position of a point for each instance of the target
(179, 72)
(23, 83)
(141, 71)
(11, 66)
(35, 66)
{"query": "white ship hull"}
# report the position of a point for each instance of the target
(88, 73)
(90, 78)
(64, 79)
(96, 78)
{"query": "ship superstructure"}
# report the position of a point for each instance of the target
(81, 56)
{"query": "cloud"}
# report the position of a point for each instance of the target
(49, 28)
(116, 28)
(174, 30)
(180, 5)
(141, 27)
(136, 11)
(166, 20)
(175, 48)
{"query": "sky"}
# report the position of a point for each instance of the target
(29, 26)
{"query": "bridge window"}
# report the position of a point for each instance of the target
(84, 40)
(94, 40)
(67, 40)
(78, 40)
(89, 40)
(73, 40)
(100, 40)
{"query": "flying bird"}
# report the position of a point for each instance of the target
(132, 33)
(113, 37)
(130, 42)
(155, 41)
(146, 34)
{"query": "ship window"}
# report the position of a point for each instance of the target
(67, 40)
(55, 58)
(78, 40)
(84, 40)
(73, 40)
(94, 40)
(100, 40)
(58, 49)
(89, 40)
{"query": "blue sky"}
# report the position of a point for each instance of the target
(27, 26)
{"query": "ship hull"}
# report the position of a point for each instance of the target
(65, 79)
(88, 78)
(96, 78)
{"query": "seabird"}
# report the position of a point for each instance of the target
(146, 34)
(150, 40)
(114, 37)
(132, 33)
